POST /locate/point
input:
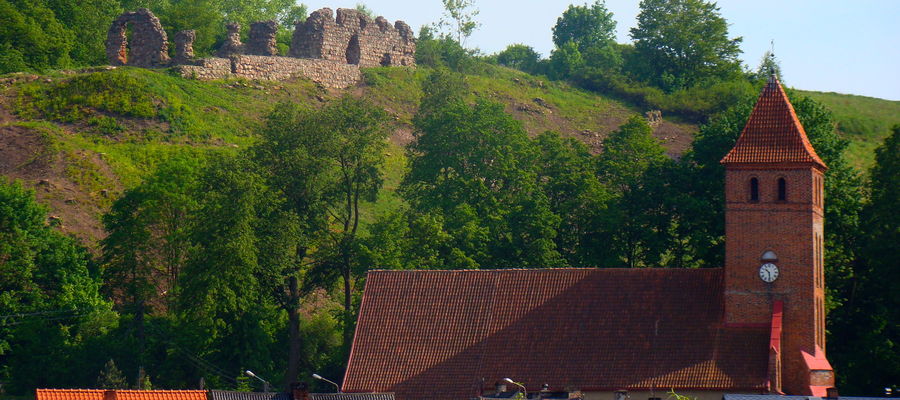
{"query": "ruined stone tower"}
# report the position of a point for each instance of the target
(354, 38)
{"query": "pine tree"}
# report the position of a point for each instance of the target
(111, 377)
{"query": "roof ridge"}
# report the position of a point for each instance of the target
(502, 270)
(773, 133)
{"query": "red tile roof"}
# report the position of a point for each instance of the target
(773, 133)
(101, 394)
(69, 394)
(447, 334)
(160, 395)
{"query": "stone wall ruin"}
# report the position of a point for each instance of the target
(326, 50)
(148, 47)
(354, 38)
(262, 39)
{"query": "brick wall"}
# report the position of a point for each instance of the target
(792, 229)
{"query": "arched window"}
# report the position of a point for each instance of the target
(782, 189)
(754, 189)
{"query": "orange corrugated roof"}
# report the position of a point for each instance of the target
(448, 334)
(160, 395)
(773, 133)
(70, 394)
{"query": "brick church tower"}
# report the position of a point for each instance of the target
(774, 275)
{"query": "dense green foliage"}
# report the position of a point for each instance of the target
(244, 230)
(40, 35)
(865, 330)
(681, 42)
(50, 304)
(587, 26)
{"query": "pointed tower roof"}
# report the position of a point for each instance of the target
(773, 134)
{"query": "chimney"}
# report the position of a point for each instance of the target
(299, 391)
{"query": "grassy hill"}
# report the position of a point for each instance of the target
(81, 138)
(865, 121)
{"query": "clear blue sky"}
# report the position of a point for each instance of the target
(826, 45)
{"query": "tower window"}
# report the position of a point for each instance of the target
(754, 189)
(782, 189)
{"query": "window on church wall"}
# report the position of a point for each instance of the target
(754, 190)
(782, 189)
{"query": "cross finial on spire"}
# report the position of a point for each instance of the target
(772, 59)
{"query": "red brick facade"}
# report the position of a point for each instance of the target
(787, 220)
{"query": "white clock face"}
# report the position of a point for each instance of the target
(768, 272)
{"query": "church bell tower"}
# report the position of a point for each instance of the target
(774, 185)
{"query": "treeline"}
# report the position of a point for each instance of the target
(681, 60)
(42, 35)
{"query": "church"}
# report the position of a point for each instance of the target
(756, 325)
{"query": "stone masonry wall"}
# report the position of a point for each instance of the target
(149, 45)
(207, 69)
(327, 73)
(353, 38)
(326, 50)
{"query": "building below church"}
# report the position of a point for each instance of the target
(755, 326)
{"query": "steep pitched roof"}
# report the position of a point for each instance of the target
(448, 334)
(773, 133)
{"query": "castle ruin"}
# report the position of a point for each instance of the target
(327, 50)
(354, 38)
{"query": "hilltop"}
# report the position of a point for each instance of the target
(81, 138)
(864, 121)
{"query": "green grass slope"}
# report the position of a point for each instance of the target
(81, 138)
(865, 121)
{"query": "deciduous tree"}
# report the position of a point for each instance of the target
(682, 42)
(587, 26)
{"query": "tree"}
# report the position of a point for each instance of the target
(567, 175)
(565, 61)
(868, 331)
(628, 155)
(246, 240)
(588, 26)
(682, 42)
(31, 38)
(459, 18)
(49, 297)
(111, 377)
(472, 167)
(148, 242)
(363, 8)
(88, 21)
(519, 56)
(352, 135)
(325, 163)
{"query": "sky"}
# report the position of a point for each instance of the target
(844, 46)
